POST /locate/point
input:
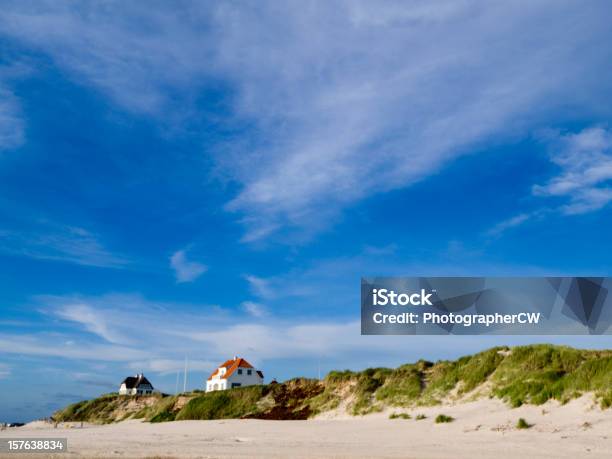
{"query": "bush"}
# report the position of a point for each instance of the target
(420, 417)
(522, 424)
(442, 418)
(399, 416)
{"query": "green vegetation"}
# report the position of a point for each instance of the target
(100, 409)
(536, 374)
(164, 416)
(524, 374)
(399, 416)
(419, 417)
(403, 385)
(227, 404)
(466, 373)
(368, 382)
(325, 401)
(113, 408)
(442, 418)
(522, 424)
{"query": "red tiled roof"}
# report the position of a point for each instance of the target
(231, 366)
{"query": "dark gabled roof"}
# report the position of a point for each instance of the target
(133, 382)
(260, 374)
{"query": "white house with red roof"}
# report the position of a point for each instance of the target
(233, 373)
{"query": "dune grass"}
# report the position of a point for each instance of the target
(235, 403)
(443, 418)
(400, 416)
(98, 410)
(536, 374)
(525, 374)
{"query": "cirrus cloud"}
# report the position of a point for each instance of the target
(380, 97)
(185, 270)
(585, 163)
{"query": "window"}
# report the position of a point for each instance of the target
(239, 371)
(235, 384)
(249, 372)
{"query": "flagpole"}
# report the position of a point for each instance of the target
(185, 377)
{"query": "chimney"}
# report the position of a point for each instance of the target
(235, 357)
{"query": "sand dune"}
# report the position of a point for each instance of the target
(485, 428)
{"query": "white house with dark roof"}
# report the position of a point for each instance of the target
(136, 385)
(233, 373)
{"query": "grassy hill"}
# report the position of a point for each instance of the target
(524, 374)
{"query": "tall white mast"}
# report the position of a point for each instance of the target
(185, 377)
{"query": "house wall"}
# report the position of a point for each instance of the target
(216, 384)
(143, 389)
(243, 379)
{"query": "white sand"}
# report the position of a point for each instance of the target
(482, 429)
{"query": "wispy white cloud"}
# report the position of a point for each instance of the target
(93, 320)
(584, 178)
(53, 345)
(350, 113)
(585, 162)
(343, 113)
(518, 220)
(93, 379)
(507, 224)
(284, 340)
(166, 366)
(52, 241)
(11, 120)
(5, 371)
(331, 285)
(259, 286)
(254, 309)
(206, 337)
(99, 46)
(185, 270)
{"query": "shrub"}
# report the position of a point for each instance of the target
(522, 424)
(442, 418)
(399, 416)
(420, 417)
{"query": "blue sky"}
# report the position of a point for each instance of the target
(203, 180)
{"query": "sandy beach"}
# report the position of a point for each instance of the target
(485, 428)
